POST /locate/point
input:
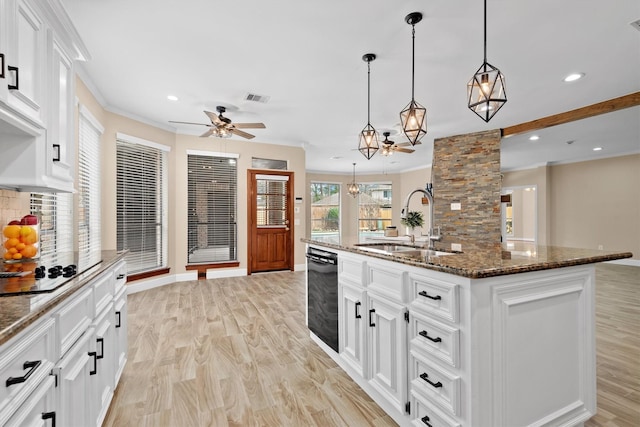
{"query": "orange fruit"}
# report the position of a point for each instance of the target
(25, 230)
(8, 255)
(9, 243)
(31, 238)
(17, 256)
(29, 251)
(20, 246)
(11, 231)
(12, 251)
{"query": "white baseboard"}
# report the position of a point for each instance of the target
(626, 261)
(231, 272)
(300, 267)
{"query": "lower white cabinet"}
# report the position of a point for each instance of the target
(387, 349)
(351, 325)
(63, 369)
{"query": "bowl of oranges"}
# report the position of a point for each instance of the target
(21, 239)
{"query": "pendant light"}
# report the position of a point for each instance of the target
(353, 188)
(486, 90)
(414, 116)
(368, 141)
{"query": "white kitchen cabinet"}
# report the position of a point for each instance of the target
(120, 332)
(387, 349)
(74, 372)
(39, 409)
(102, 382)
(351, 326)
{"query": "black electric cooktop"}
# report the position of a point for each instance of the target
(45, 274)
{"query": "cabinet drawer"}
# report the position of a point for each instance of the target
(437, 384)
(120, 276)
(388, 279)
(427, 415)
(73, 318)
(435, 338)
(38, 408)
(103, 290)
(24, 363)
(351, 269)
(435, 297)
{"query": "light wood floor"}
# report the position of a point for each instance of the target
(236, 352)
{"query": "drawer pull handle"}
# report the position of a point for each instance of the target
(373, 310)
(358, 315)
(2, 69)
(17, 73)
(120, 276)
(425, 377)
(95, 362)
(425, 294)
(50, 416)
(426, 335)
(425, 420)
(101, 342)
(119, 322)
(31, 366)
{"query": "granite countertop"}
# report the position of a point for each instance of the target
(19, 311)
(483, 259)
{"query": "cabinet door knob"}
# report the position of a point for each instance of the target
(17, 74)
(425, 377)
(50, 416)
(31, 366)
(425, 294)
(426, 335)
(358, 304)
(373, 310)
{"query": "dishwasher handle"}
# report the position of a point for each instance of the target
(320, 260)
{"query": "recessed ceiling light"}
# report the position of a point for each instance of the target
(597, 149)
(534, 138)
(569, 142)
(172, 97)
(573, 77)
(335, 158)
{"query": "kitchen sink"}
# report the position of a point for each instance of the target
(421, 254)
(404, 251)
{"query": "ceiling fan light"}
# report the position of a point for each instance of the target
(414, 121)
(486, 91)
(368, 142)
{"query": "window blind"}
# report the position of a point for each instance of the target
(89, 182)
(142, 204)
(55, 214)
(212, 207)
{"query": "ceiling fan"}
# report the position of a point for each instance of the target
(223, 127)
(388, 146)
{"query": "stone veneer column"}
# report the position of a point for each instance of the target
(466, 170)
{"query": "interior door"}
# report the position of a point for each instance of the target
(270, 205)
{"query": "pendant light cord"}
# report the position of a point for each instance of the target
(413, 58)
(485, 33)
(368, 95)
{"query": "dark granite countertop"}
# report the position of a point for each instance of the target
(482, 259)
(19, 311)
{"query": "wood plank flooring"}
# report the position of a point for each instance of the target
(236, 352)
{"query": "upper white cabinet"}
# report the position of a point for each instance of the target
(38, 47)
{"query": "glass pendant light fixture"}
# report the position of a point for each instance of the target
(368, 141)
(353, 188)
(414, 116)
(486, 90)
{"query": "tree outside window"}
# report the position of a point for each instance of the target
(325, 212)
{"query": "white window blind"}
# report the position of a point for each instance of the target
(89, 182)
(55, 214)
(212, 204)
(142, 203)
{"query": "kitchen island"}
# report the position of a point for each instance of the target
(498, 335)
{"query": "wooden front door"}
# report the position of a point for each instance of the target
(270, 204)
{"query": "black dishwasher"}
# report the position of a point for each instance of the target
(322, 295)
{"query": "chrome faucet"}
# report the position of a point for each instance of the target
(428, 193)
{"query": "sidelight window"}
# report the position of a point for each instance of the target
(212, 207)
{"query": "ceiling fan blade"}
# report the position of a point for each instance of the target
(214, 118)
(208, 133)
(405, 144)
(403, 150)
(189, 123)
(242, 134)
(249, 125)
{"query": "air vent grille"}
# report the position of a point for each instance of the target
(257, 98)
(636, 24)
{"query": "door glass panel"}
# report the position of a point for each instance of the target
(271, 203)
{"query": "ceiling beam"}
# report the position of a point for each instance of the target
(626, 101)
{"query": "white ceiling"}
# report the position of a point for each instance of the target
(307, 57)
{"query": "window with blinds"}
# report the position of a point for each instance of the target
(55, 213)
(142, 203)
(212, 207)
(89, 179)
(374, 210)
(325, 212)
(271, 193)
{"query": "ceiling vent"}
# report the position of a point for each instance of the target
(257, 98)
(636, 24)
